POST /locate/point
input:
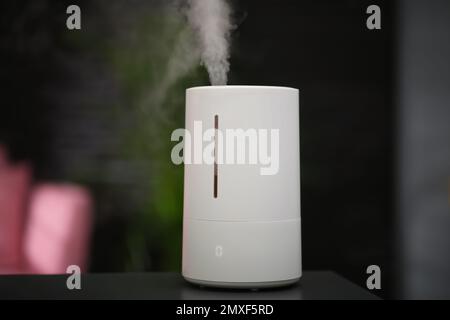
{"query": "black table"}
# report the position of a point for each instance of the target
(155, 285)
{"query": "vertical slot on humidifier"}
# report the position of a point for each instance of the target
(216, 128)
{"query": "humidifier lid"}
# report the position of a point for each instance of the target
(246, 87)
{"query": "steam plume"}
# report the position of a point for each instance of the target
(211, 21)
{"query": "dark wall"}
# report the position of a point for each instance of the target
(343, 71)
(424, 149)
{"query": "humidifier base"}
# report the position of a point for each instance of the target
(242, 285)
(242, 254)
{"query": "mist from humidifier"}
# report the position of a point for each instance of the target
(211, 21)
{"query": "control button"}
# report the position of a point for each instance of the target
(219, 251)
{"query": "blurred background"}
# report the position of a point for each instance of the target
(86, 117)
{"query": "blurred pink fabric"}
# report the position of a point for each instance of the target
(58, 229)
(43, 229)
(14, 187)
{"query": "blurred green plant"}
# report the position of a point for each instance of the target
(151, 55)
(155, 93)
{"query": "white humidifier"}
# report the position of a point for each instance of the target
(241, 224)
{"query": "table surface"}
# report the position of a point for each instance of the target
(165, 285)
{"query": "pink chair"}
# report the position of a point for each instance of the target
(58, 229)
(14, 187)
(55, 232)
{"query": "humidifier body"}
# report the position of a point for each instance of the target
(241, 220)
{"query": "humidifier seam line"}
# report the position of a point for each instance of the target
(251, 221)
